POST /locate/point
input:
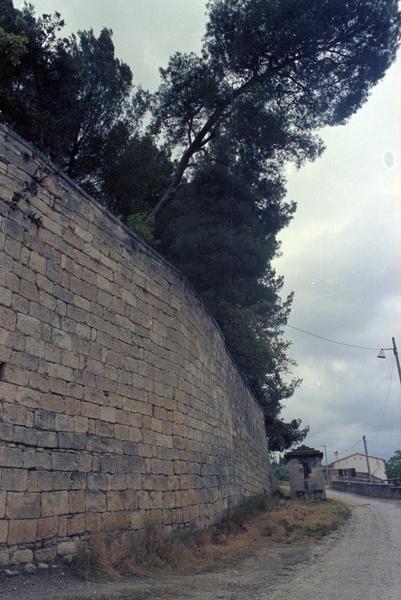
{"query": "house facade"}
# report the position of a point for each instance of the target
(355, 466)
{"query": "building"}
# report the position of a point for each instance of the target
(355, 466)
(306, 474)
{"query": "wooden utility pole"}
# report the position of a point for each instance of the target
(397, 359)
(367, 459)
(327, 466)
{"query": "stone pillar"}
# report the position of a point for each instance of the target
(306, 473)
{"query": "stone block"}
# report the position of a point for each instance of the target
(65, 548)
(14, 480)
(104, 429)
(136, 520)
(64, 422)
(47, 528)
(36, 459)
(41, 481)
(109, 463)
(23, 505)
(46, 554)
(76, 525)
(114, 501)
(45, 420)
(81, 424)
(22, 532)
(3, 498)
(93, 522)
(21, 556)
(90, 410)
(28, 325)
(65, 461)
(54, 503)
(3, 531)
(95, 501)
(129, 500)
(130, 464)
(5, 296)
(47, 439)
(10, 457)
(62, 339)
(38, 263)
(108, 413)
(77, 502)
(60, 372)
(7, 318)
(72, 441)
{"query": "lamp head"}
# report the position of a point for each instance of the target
(381, 354)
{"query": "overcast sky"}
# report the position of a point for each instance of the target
(341, 254)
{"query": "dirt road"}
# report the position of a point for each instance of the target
(362, 561)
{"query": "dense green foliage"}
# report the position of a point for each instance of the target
(271, 72)
(280, 471)
(393, 466)
(76, 102)
(226, 243)
(289, 66)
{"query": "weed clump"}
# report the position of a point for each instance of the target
(234, 520)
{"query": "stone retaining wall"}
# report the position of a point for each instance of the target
(118, 398)
(377, 490)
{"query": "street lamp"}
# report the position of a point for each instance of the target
(382, 354)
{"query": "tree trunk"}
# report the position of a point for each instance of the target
(201, 139)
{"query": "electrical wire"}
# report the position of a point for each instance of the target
(385, 402)
(352, 447)
(321, 337)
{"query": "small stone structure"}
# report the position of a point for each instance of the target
(306, 473)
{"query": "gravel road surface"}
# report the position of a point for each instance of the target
(364, 563)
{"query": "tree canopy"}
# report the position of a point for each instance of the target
(76, 102)
(225, 243)
(393, 466)
(302, 64)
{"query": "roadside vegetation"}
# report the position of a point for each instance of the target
(393, 466)
(280, 472)
(241, 532)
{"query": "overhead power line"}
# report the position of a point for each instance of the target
(321, 337)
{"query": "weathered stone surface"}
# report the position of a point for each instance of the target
(66, 548)
(3, 496)
(46, 554)
(54, 503)
(3, 531)
(47, 528)
(21, 532)
(21, 556)
(23, 505)
(118, 397)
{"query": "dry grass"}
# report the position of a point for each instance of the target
(294, 521)
(242, 531)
